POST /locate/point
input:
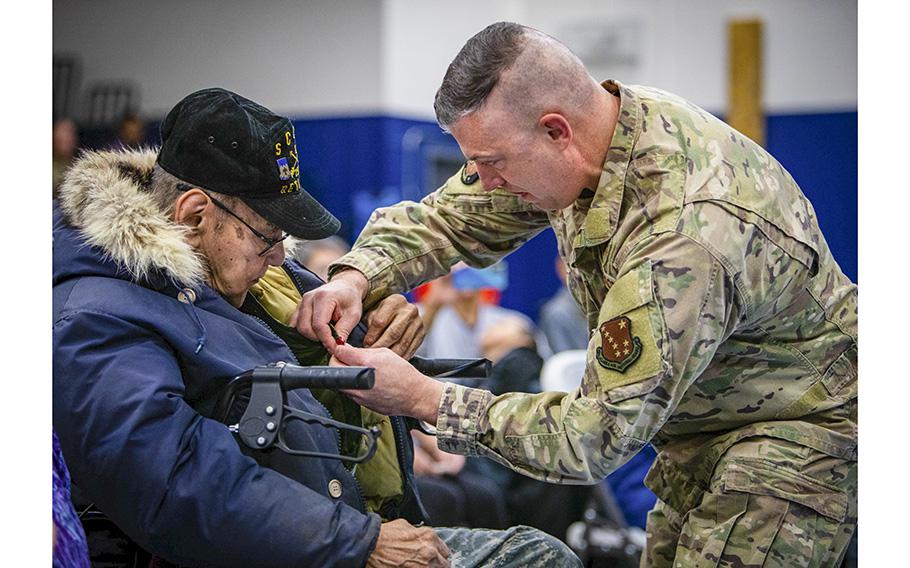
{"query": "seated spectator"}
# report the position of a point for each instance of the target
(505, 335)
(454, 496)
(562, 324)
(131, 132)
(155, 256)
(456, 315)
(319, 254)
(509, 344)
(563, 327)
(70, 547)
(64, 145)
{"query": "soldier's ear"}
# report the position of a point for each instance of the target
(557, 128)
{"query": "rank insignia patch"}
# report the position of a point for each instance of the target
(284, 170)
(619, 348)
(469, 173)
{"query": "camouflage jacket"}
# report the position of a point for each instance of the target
(717, 312)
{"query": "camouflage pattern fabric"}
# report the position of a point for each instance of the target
(517, 547)
(740, 524)
(722, 329)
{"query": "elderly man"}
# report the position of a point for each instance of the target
(155, 255)
(723, 330)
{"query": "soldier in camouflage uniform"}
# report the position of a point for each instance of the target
(722, 330)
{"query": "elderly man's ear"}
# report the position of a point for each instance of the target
(193, 209)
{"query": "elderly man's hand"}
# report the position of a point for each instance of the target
(402, 544)
(395, 323)
(340, 300)
(400, 389)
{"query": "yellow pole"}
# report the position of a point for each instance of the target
(745, 79)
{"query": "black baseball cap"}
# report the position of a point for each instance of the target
(218, 140)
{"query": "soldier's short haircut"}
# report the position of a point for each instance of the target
(476, 70)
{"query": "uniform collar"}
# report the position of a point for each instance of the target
(602, 218)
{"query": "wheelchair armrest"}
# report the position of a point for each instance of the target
(452, 368)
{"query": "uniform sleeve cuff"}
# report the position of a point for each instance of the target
(461, 414)
(381, 282)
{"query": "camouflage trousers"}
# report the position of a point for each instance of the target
(511, 548)
(795, 508)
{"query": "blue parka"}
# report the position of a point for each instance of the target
(141, 349)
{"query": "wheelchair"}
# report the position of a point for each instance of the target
(262, 394)
(267, 415)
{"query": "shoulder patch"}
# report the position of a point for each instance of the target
(619, 348)
(469, 173)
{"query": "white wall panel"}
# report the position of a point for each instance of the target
(810, 45)
(325, 57)
(297, 57)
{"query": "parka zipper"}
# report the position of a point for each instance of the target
(319, 402)
(398, 423)
(299, 285)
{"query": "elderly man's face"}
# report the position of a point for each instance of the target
(233, 251)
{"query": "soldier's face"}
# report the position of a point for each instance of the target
(522, 159)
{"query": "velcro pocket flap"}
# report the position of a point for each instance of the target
(759, 477)
(841, 374)
(632, 290)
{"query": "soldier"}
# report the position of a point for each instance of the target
(723, 331)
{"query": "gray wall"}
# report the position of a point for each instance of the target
(296, 57)
(348, 57)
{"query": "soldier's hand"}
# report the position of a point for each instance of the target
(340, 300)
(402, 544)
(395, 323)
(399, 388)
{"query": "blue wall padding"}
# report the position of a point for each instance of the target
(354, 164)
(820, 152)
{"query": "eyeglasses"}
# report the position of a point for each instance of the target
(271, 243)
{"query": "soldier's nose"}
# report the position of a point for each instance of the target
(491, 182)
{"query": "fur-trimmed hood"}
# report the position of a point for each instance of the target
(105, 197)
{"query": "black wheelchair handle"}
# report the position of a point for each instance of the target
(293, 377)
(454, 368)
(349, 378)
